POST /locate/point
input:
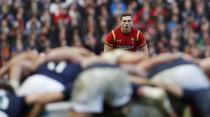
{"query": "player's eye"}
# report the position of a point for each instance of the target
(126, 20)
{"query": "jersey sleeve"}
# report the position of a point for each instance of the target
(109, 40)
(142, 40)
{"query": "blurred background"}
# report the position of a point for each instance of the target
(168, 25)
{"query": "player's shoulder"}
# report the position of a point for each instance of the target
(135, 30)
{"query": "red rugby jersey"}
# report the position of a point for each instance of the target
(131, 41)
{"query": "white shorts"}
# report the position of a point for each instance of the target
(187, 76)
(3, 114)
(99, 85)
(37, 84)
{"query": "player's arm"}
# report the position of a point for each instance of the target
(109, 42)
(132, 57)
(171, 88)
(138, 80)
(133, 69)
(159, 59)
(16, 59)
(23, 64)
(142, 45)
(108, 48)
(145, 50)
(205, 65)
(68, 53)
(121, 56)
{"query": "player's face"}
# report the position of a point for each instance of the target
(126, 23)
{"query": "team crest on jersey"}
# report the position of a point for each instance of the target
(132, 40)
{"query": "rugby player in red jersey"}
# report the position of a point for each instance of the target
(125, 36)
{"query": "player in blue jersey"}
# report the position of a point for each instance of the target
(11, 105)
(98, 76)
(21, 106)
(54, 74)
(27, 63)
(182, 78)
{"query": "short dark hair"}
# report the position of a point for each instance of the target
(125, 14)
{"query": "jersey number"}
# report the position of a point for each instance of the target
(58, 68)
(4, 101)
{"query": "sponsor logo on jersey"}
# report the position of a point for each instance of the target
(119, 40)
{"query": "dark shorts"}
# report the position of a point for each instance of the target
(135, 88)
(200, 100)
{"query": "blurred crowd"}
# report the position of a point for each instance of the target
(168, 25)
